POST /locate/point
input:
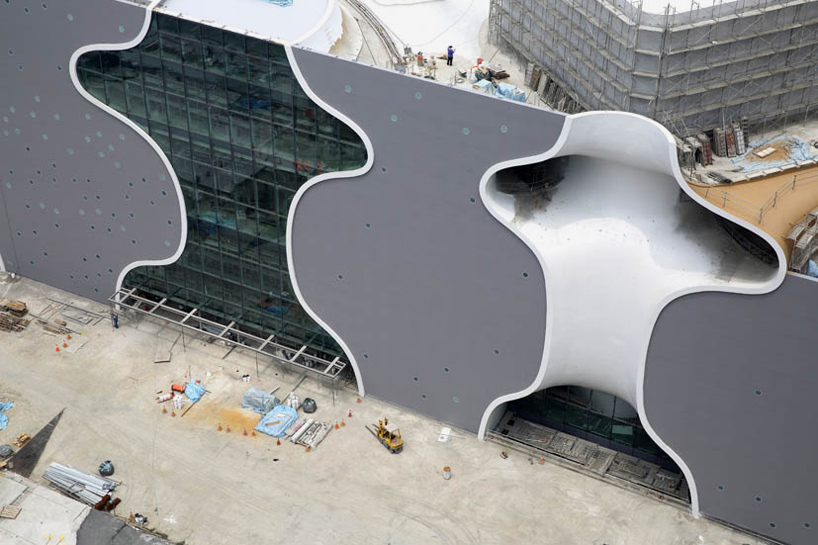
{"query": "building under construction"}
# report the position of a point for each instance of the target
(689, 66)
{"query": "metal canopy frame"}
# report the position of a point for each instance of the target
(301, 357)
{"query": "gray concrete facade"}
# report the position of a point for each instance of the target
(730, 385)
(83, 195)
(690, 69)
(441, 305)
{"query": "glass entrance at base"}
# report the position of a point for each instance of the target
(242, 137)
(594, 416)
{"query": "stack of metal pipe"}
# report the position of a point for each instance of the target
(311, 433)
(87, 488)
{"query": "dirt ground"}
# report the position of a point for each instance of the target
(208, 487)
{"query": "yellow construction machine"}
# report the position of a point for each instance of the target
(391, 440)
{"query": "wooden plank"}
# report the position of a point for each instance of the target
(10, 511)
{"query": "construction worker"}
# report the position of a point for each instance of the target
(449, 55)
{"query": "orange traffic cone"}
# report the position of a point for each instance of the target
(542, 460)
(278, 442)
(307, 449)
(244, 432)
(228, 429)
(173, 413)
(65, 345)
(359, 400)
(219, 427)
(68, 336)
(336, 424)
(58, 349)
(164, 410)
(343, 423)
(253, 433)
(350, 414)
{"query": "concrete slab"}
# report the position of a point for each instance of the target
(45, 513)
(10, 491)
(203, 486)
(7, 538)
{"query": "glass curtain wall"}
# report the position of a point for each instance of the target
(242, 137)
(593, 415)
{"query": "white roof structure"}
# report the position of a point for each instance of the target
(312, 23)
(432, 26)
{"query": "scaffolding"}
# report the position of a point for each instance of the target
(198, 321)
(692, 68)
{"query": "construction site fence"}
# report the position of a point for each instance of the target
(753, 211)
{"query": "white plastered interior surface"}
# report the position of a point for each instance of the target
(617, 245)
(312, 23)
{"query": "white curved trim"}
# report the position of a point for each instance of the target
(72, 68)
(331, 6)
(765, 287)
(549, 315)
(674, 170)
(370, 159)
(2, 265)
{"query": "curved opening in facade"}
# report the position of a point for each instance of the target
(618, 238)
(626, 201)
(242, 136)
(594, 430)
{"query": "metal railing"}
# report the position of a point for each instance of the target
(754, 211)
(303, 357)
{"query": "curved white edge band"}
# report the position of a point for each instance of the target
(673, 169)
(2, 265)
(93, 100)
(332, 5)
(370, 159)
(765, 287)
(549, 315)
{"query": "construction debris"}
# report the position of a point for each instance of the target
(311, 433)
(12, 322)
(73, 482)
(10, 512)
(17, 308)
(21, 440)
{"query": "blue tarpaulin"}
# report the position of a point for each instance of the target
(484, 86)
(194, 391)
(812, 269)
(283, 416)
(4, 420)
(284, 3)
(798, 151)
(511, 92)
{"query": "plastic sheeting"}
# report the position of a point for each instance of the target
(194, 391)
(283, 3)
(483, 86)
(283, 417)
(799, 151)
(812, 269)
(259, 401)
(511, 92)
(4, 420)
